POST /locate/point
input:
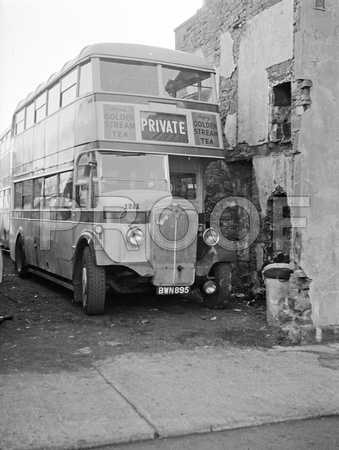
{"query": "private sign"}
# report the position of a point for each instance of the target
(163, 127)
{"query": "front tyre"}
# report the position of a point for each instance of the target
(93, 284)
(222, 273)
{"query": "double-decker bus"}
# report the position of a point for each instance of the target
(5, 140)
(107, 176)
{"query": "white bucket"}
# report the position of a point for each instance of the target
(277, 290)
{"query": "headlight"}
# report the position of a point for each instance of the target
(135, 236)
(211, 236)
(201, 229)
(98, 229)
(209, 287)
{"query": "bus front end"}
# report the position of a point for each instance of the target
(141, 238)
(173, 233)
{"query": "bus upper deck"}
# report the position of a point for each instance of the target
(119, 96)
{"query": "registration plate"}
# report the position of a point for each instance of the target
(172, 290)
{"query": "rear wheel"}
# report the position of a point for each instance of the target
(222, 274)
(20, 259)
(93, 285)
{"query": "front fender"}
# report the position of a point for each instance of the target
(211, 255)
(86, 239)
(20, 235)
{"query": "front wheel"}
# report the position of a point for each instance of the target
(93, 284)
(222, 274)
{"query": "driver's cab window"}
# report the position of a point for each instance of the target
(87, 193)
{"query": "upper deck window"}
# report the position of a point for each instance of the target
(68, 88)
(20, 122)
(128, 77)
(187, 84)
(30, 115)
(54, 98)
(40, 107)
(86, 83)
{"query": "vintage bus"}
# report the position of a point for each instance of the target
(107, 176)
(5, 140)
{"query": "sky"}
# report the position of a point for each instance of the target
(38, 36)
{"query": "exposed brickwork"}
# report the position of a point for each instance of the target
(215, 18)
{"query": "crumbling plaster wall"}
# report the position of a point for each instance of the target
(267, 40)
(248, 41)
(316, 173)
(273, 172)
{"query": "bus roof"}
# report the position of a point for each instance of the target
(146, 53)
(135, 52)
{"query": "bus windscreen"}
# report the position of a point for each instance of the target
(128, 172)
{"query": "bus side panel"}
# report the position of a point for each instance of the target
(66, 127)
(63, 237)
(21, 228)
(85, 125)
(43, 242)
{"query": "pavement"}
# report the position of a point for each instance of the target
(139, 396)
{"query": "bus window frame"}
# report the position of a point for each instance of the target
(198, 85)
(88, 62)
(86, 182)
(29, 116)
(40, 108)
(20, 121)
(51, 88)
(37, 201)
(131, 62)
(176, 173)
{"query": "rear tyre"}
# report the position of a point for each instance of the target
(93, 283)
(20, 259)
(222, 273)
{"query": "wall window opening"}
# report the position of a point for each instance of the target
(319, 4)
(282, 94)
(281, 112)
